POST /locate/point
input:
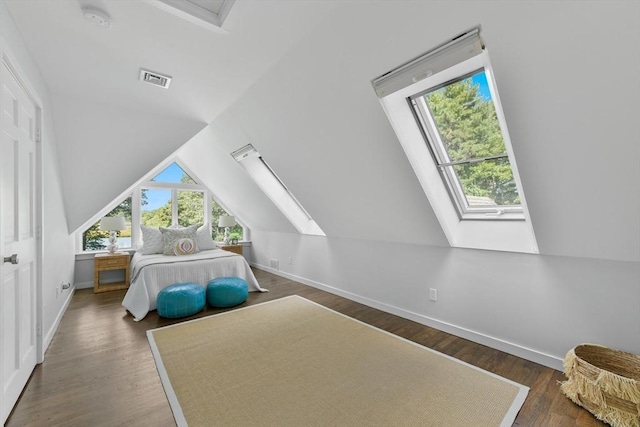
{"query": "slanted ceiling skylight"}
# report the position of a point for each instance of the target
(209, 14)
(275, 189)
(445, 109)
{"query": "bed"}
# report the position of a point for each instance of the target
(152, 273)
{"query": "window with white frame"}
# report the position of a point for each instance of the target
(171, 198)
(445, 109)
(460, 124)
(94, 239)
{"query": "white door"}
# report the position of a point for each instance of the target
(18, 321)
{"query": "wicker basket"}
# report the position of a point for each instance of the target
(604, 381)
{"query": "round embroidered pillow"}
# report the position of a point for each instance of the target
(184, 247)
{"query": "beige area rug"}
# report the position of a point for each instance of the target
(292, 362)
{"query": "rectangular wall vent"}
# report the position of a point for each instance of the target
(155, 79)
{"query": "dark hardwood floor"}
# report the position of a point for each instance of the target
(98, 370)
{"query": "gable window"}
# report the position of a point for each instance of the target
(171, 198)
(445, 110)
(274, 188)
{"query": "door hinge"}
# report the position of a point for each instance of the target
(38, 135)
(38, 232)
(39, 330)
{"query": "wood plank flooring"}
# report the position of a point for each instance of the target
(98, 370)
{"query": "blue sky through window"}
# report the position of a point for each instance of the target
(172, 173)
(481, 80)
(158, 198)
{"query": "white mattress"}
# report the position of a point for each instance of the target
(152, 273)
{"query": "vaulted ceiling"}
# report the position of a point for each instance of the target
(293, 79)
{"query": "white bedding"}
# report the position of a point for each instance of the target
(152, 273)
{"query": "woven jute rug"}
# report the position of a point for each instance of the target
(292, 362)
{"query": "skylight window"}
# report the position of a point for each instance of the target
(445, 109)
(461, 127)
(275, 189)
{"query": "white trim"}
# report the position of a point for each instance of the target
(533, 355)
(48, 337)
(195, 14)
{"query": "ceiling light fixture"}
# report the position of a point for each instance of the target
(96, 17)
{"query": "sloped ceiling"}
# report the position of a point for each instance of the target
(105, 116)
(567, 73)
(315, 118)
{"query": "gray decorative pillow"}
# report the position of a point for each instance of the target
(170, 236)
(152, 242)
(204, 239)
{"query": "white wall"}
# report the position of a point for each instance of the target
(58, 249)
(533, 306)
(107, 148)
(568, 78)
(316, 120)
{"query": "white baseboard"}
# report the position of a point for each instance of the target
(54, 327)
(84, 285)
(548, 360)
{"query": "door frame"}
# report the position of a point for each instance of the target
(21, 77)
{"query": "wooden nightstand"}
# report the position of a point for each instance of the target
(107, 262)
(232, 248)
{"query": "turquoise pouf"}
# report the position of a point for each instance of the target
(180, 300)
(227, 291)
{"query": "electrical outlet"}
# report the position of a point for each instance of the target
(433, 294)
(290, 260)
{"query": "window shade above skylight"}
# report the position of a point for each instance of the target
(442, 57)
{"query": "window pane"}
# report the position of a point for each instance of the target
(466, 120)
(190, 208)
(156, 208)
(217, 233)
(94, 239)
(488, 183)
(173, 173)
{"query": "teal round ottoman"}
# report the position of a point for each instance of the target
(180, 300)
(227, 291)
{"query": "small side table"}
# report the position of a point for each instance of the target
(232, 248)
(108, 262)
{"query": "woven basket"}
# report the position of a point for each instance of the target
(604, 381)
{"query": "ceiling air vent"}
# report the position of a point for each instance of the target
(154, 78)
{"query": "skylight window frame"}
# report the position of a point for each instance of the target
(274, 188)
(447, 61)
(433, 140)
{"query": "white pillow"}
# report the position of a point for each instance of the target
(204, 239)
(152, 242)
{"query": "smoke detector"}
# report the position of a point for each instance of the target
(155, 79)
(96, 16)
